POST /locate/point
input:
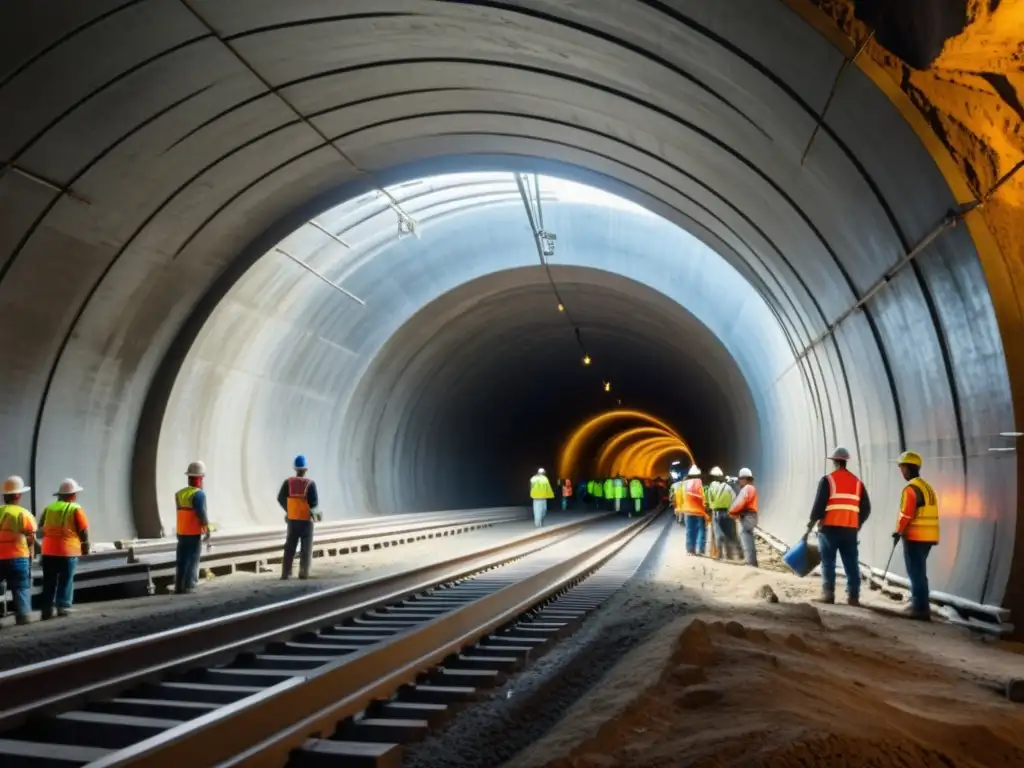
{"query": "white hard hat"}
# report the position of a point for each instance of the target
(67, 487)
(196, 469)
(840, 454)
(540, 471)
(716, 472)
(746, 473)
(14, 485)
(694, 471)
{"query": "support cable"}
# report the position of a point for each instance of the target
(317, 274)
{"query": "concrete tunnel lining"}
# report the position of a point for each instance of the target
(699, 113)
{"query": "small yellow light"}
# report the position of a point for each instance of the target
(607, 386)
(586, 359)
(561, 307)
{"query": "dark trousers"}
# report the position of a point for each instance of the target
(833, 540)
(915, 558)
(17, 572)
(298, 531)
(186, 563)
(728, 537)
(58, 583)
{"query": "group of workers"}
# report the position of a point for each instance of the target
(61, 536)
(730, 512)
(632, 495)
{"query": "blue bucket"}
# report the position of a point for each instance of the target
(802, 558)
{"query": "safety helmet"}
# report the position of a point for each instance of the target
(694, 471)
(910, 457)
(840, 454)
(300, 462)
(541, 471)
(745, 473)
(14, 485)
(196, 469)
(716, 472)
(67, 487)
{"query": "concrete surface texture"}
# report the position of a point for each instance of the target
(159, 149)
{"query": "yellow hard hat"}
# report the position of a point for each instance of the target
(910, 457)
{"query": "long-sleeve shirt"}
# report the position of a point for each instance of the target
(199, 506)
(821, 501)
(911, 499)
(311, 496)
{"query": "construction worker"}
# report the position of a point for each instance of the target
(17, 543)
(694, 511)
(675, 492)
(841, 507)
(300, 501)
(65, 532)
(598, 493)
(636, 493)
(720, 497)
(566, 484)
(620, 491)
(609, 492)
(192, 527)
(744, 510)
(918, 527)
(540, 492)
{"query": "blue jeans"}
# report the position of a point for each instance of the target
(186, 563)
(696, 530)
(748, 523)
(728, 538)
(17, 572)
(915, 558)
(58, 583)
(299, 532)
(834, 540)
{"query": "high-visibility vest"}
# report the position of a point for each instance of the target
(15, 523)
(619, 488)
(298, 503)
(567, 488)
(188, 523)
(609, 488)
(61, 523)
(677, 496)
(598, 492)
(693, 497)
(720, 495)
(925, 525)
(746, 501)
(540, 487)
(844, 493)
(636, 489)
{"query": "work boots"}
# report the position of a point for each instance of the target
(825, 598)
(853, 601)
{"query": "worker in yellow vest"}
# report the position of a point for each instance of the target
(17, 543)
(540, 492)
(192, 527)
(636, 493)
(300, 501)
(918, 527)
(65, 530)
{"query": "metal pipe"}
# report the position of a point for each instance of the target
(316, 225)
(312, 271)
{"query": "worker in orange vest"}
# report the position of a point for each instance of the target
(566, 492)
(299, 499)
(192, 527)
(694, 511)
(918, 527)
(841, 507)
(65, 530)
(17, 543)
(744, 509)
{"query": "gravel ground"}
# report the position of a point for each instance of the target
(569, 700)
(100, 623)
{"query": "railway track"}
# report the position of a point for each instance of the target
(340, 677)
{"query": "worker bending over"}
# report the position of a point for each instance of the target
(540, 492)
(65, 531)
(17, 542)
(918, 526)
(299, 499)
(720, 497)
(192, 526)
(694, 512)
(744, 509)
(841, 507)
(636, 493)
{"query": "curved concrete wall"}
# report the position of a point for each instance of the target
(698, 111)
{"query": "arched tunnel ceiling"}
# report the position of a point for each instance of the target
(142, 182)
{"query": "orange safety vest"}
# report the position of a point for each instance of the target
(188, 520)
(746, 500)
(61, 522)
(693, 497)
(843, 507)
(15, 523)
(567, 488)
(298, 504)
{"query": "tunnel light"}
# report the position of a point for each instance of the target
(1011, 434)
(607, 386)
(586, 359)
(1001, 450)
(561, 307)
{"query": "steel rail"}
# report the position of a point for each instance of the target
(304, 706)
(62, 683)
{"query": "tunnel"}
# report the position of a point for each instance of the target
(238, 232)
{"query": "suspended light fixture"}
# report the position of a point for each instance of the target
(561, 307)
(607, 386)
(586, 359)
